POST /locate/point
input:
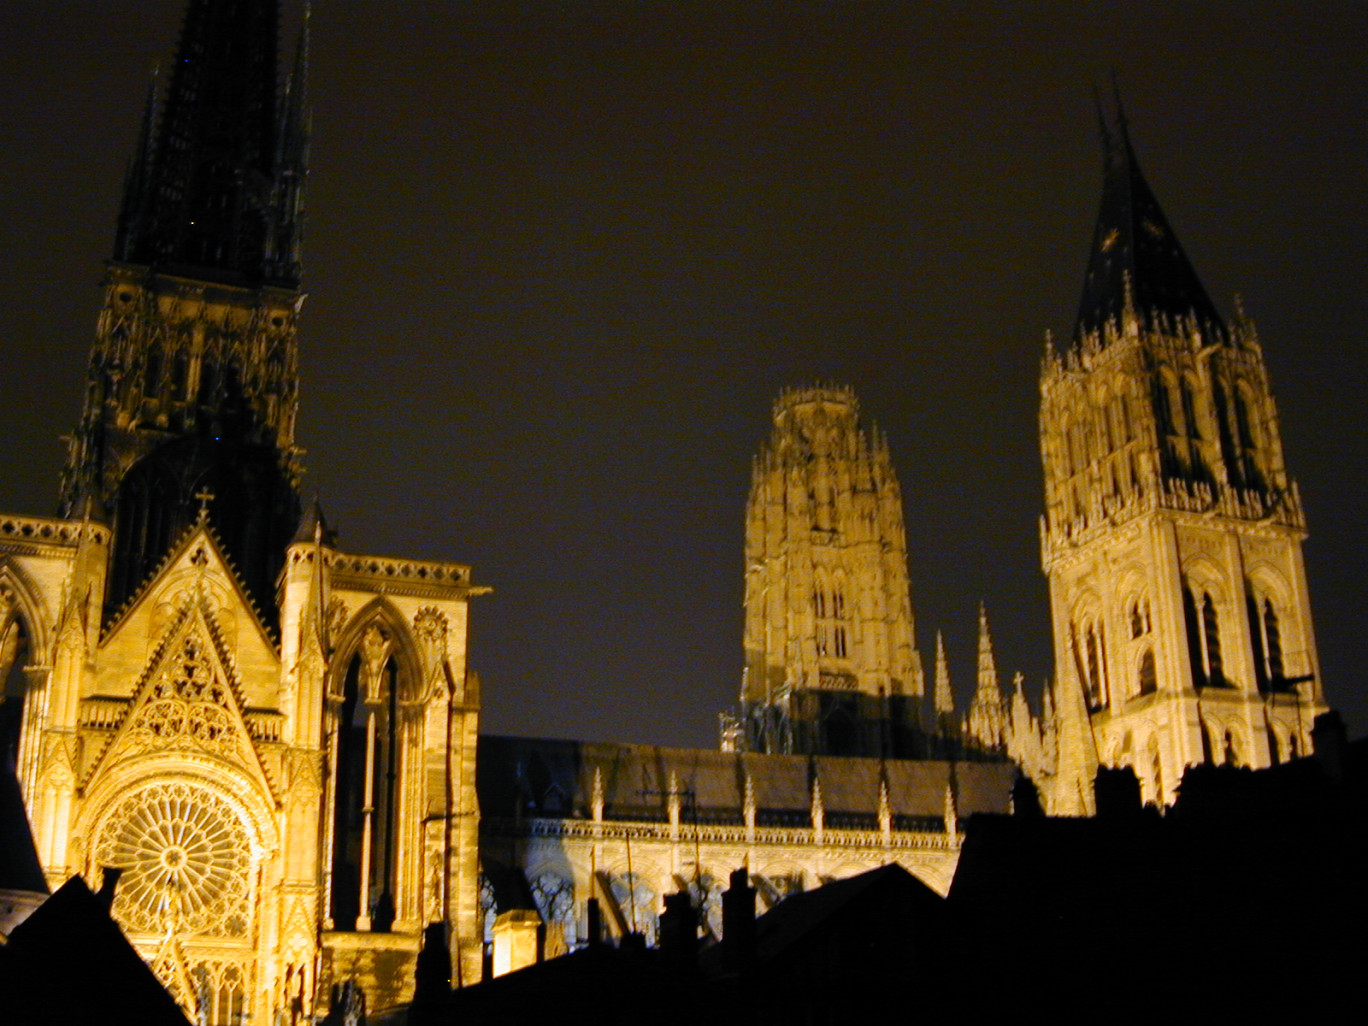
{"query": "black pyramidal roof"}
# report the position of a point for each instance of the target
(215, 191)
(1134, 249)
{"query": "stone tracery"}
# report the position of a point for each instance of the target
(186, 861)
(188, 705)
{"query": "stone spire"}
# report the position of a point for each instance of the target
(1136, 266)
(192, 386)
(944, 696)
(987, 713)
(206, 201)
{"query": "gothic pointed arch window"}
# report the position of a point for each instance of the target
(15, 642)
(1244, 422)
(180, 374)
(1265, 634)
(1247, 431)
(367, 733)
(1163, 407)
(208, 380)
(1090, 657)
(1139, 617)
(1148, 681)
(1273, 644)
(1202, 618)
(1211, 636)
(1191, 425)
(152, 370)
(838, 617)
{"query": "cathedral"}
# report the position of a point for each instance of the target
(271, 743)
(269, 739)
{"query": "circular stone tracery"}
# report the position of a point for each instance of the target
(185, 857)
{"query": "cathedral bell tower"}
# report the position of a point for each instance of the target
(831, 662)
(1172, 534)
(192, 385)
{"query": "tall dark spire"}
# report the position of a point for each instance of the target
(1136, 259)
(209, 202)
(192, 389)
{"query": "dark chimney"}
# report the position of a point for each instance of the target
(678, 930)
(109, 880)
(738, 924)
(1117, 790)
(1328, 741)
(594, 922)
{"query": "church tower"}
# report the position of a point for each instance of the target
(831, 661)
(1172, 534)
(192, 387)
(271, 740)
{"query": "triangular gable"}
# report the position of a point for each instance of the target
(188, 700)
(198, 555)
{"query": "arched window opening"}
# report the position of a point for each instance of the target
(1256, 640)
(1149, 681)
(1227, 442)
(1194, 639)
(180, 374)
(1094, 666)
(1140, 618)
(1244, 423)
(1211, 632)
(152, 368)
(366, 801)
(1094, 670)
(208, 382)
(1273, 645)
(1190, 425)
(14, 656)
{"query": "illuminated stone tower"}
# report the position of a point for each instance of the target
(1172, 535)
(831, 662)
(272, 739)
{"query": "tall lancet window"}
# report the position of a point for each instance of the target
(1204, 638)
(1273, 641)
(1211, 634)
(1266, 635)
(14, 657)
(366, 751)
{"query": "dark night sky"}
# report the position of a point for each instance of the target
(561, 257)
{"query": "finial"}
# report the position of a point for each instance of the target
(1122, 123)
(205, 496)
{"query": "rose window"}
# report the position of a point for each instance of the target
(186, 861)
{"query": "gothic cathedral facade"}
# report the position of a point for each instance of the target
(1172, 535)
(271, 740)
